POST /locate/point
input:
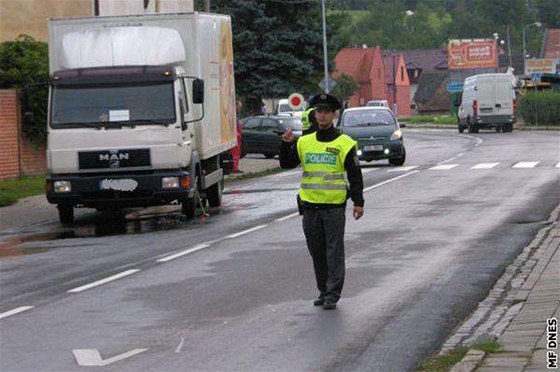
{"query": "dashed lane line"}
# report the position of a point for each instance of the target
(485, 166)
(403, 169)
(444, 167)
(236, 235)
(389, 180)
(103, 281)
(526, 164)
(15, 311)
(196, 248)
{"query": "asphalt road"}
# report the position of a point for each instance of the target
(234, 291)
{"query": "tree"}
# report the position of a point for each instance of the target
(23, 64)
(345, 87)
(277, 47)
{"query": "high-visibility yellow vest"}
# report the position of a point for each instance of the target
(323, 180)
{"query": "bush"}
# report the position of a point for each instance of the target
(541, 108)
(24, 66)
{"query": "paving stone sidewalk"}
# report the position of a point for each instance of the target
(523, 331)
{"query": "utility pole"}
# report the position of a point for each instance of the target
(325, 61)
(207, 6)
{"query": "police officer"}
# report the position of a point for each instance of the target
(325, 155)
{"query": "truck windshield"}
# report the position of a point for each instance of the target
(106, 104)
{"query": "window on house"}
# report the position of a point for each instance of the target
(402, 73)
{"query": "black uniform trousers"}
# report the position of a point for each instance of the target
(324, 233)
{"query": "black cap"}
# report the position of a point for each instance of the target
(325, 102)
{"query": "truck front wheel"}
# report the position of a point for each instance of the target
(66, 214)
(214, 194)
(188, 206)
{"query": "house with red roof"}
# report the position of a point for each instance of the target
(378, 79)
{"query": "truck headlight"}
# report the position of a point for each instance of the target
(170, 183)
(62, 186)
(396, 134)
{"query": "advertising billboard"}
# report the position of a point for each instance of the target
(472, 54)
(542, 66)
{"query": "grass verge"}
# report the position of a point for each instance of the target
(14, 189)
(444, 363)
(441, 363)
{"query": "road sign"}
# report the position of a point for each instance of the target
(331, 82)
(295, 101)
(455, 86)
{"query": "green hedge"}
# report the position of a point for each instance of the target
(24, 66)
(541, 108)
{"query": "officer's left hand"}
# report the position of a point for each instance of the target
(358, 212)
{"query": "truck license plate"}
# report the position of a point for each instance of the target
(118, 185)
(373, 148)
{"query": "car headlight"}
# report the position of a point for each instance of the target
(359, 152)
(62, 186)
(396, 134)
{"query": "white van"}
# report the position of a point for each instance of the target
(284, 109)
(378, 103)
(487, 101)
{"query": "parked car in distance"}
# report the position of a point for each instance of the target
(284, 109)
(261, 134)
(378, 103)
(377, 131)
(487, 101)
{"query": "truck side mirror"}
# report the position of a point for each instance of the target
(198, 91)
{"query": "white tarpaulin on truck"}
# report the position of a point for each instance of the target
(121, 46)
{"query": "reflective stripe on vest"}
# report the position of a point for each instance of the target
(326, 176)
(323, 180)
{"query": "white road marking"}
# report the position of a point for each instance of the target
(389, 180)
(92, 357)
(103, 281)
(367, 170)
(196, 248)
(15, 311)
(447, 161)
(403, 169)
(245, 232)
(444, 167)
(485, 166)
(526, 164)
(286, 217)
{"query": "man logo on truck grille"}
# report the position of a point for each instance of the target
(114, 158)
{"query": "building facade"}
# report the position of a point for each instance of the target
(29, 17)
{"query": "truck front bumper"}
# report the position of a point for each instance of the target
(108, 191)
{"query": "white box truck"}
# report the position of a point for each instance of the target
(487, 101)
(141, 111)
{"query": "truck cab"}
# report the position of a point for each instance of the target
(138, 116)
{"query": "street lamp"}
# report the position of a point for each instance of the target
(325, 60)
(538, 24)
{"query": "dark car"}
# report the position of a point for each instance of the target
(377, 131)
(261, 134)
